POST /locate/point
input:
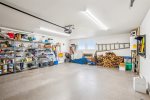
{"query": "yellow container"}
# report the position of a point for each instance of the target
(60, 55)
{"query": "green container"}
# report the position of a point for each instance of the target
(128, 66)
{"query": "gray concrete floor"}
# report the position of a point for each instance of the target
(69, 82)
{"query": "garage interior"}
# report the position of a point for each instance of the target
(74, 50)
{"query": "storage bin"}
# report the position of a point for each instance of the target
(56, 62)
(128, 66)
(60, 55)
(127, 59)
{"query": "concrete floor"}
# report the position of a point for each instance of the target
(69, 82)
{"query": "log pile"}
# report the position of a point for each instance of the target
(109, 60)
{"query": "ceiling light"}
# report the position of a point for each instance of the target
(95, 20)
(52, 31)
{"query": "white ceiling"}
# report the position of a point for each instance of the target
(115, 14)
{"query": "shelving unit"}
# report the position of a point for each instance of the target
(134, 50)
(6, 57)
(135, 61)
(26, 56)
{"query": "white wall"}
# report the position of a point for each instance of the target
(121, 38)
(145, 62)
(64, 43)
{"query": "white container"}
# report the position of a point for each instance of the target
(139, 84)
(122, 68)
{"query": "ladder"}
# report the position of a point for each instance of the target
(112, 46)
(109, 47)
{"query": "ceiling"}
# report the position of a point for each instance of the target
(115, 14)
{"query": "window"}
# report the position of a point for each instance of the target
(86, 44)
(91, 44)
(82, 44)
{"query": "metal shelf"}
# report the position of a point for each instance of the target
(7, 53)
(16, 68)
(7, 58)
(6, 64)
(6, 47)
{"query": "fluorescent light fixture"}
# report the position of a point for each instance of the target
(52, 31)
(95, 20)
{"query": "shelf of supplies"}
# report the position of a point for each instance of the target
(21, 52)
(30, 62)
(19, 47)
(22, 41)
(6, 47)
(7, 52)
(17, 62)
(6, 64)
(7, 39)
(20, 56)
(31, 48)
(7, 58)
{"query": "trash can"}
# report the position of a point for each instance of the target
(128, 66)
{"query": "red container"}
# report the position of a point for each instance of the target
(11, 35)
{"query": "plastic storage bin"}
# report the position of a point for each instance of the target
(127, 59)
(56, 62)
(128, 66)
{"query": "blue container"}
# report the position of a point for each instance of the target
(127, 59)
(46, 41)
(56, 62)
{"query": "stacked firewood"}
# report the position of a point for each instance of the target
(109, 60)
